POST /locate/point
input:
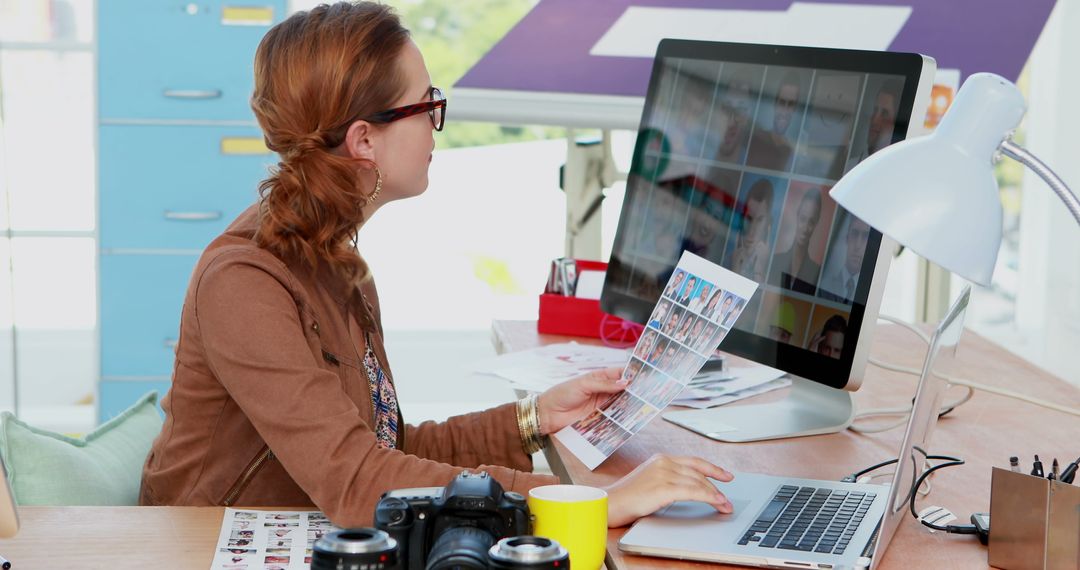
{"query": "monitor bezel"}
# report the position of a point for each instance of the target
(845, 372)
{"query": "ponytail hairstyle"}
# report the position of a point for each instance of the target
(316, 73)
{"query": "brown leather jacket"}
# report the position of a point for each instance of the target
(270, 405)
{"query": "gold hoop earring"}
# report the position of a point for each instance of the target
(378, 184)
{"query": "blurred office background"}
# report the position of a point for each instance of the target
(475, 247)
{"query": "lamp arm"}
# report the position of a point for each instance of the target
(1021, 155)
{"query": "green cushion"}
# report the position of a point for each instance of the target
(103, 468)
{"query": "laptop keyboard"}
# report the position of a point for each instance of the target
(809, 519)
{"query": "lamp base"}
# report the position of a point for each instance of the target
(809, 409)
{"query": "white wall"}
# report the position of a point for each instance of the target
(476, 245)
(1048, 302)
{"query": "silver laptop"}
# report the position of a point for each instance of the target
(782, 522)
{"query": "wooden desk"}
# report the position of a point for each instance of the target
(114, 537)
(984, 431)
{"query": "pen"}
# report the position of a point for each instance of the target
(1037, 470)
(1054, 473)
(1070, 472)
(1014, 464)
(4, 563)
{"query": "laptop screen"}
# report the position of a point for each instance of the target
(940, 363)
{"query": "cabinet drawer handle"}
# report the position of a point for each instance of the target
(192, 216)
(247, 15)
(170, 343)
(192, 93)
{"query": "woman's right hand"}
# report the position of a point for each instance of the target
(662, 480)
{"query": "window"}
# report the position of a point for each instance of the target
(48, 315)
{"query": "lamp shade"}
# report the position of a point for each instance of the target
(937, 194)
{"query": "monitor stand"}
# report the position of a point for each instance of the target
(809, 409)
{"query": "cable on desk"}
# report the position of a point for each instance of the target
(905, 411)
(916, 488)
(949, 528)
(854, 477)
(898, 321)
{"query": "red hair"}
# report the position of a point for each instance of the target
(315, 74)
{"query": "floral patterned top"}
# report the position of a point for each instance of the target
(384, 401)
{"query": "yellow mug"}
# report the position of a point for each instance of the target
(574, 516)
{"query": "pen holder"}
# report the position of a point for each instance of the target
(575, 316)
(569, 316)
(1034, 522)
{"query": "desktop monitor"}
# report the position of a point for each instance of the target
(738, 147)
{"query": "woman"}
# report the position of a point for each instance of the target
(672, 324)
(714, 301)
(684, 329)
(282, 394)
(645, 344)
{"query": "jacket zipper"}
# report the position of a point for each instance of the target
(248, 474)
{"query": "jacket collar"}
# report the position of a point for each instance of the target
(336, 287)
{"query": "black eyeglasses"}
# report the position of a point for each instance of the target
(435, 108)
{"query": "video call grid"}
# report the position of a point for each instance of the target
(859, 120)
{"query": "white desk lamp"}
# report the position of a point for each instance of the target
(937, 194)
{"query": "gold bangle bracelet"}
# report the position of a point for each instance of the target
(523, 423)
(534, 425)
(540, 438)
(528, 420)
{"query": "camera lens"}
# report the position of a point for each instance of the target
(460, 547)
(354, 549)
(528, 552)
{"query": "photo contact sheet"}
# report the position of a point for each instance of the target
(698, 306)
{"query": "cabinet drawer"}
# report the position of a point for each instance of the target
(141, 299)
(169, 59)
(176, 187)
(116, 396)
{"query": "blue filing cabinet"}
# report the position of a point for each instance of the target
(180, 156)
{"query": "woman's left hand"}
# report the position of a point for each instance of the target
(566, 403)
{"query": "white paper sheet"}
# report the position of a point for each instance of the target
(728, 397)
(732, 380)
(590, 284)
(700, 303)
(538, 369)
(268, 540)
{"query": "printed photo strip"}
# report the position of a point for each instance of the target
(698, 307)
(265, 540)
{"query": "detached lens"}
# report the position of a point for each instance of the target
(355, 549)
(532, 552)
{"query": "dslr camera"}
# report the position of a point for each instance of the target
(458, 526)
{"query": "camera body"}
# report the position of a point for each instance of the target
(452, 526)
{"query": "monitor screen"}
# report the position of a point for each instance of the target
(738, 147)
